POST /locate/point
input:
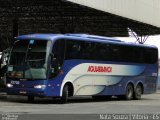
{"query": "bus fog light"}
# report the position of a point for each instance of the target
(40, 86)
(9, 85)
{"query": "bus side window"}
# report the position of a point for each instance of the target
(87, 51)
(73, 49)
(150, 56)
(57, 57)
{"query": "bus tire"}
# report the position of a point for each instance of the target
(30, 99)
(129, 92)
(64, 97)
(138, 92)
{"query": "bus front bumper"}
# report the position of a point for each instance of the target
(26, 92)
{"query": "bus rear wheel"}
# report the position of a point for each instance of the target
(64, 97)
(138, 92)
(129, 92)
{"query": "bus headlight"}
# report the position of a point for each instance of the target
(40, 86)
(9, 85)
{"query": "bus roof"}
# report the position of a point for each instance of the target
(52, 36)
(38, 36)
(85, 37)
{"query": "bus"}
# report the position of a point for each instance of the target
(65, 65)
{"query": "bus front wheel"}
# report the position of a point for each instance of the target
(64, 97)
(138, 92)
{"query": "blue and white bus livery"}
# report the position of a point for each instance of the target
(56, 65)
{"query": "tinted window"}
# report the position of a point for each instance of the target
(110, 52)
(58, 50)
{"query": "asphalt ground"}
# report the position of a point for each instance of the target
(77, 108)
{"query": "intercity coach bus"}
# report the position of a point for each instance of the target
(65, 65)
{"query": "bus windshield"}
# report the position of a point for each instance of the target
(28, 59)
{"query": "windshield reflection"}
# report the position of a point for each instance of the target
(28, 60)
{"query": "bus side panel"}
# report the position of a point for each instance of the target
(120, 88)
(54, 86)
(88, 81)
(148, 79)
(85, 84)
(151, 78)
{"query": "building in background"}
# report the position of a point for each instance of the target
(110, 18)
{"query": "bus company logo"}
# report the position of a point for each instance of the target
(99, 69)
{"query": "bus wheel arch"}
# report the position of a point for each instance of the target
(70, 88)
(139, 89)
(67, 91)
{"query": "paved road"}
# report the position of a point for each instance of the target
(150, 104)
